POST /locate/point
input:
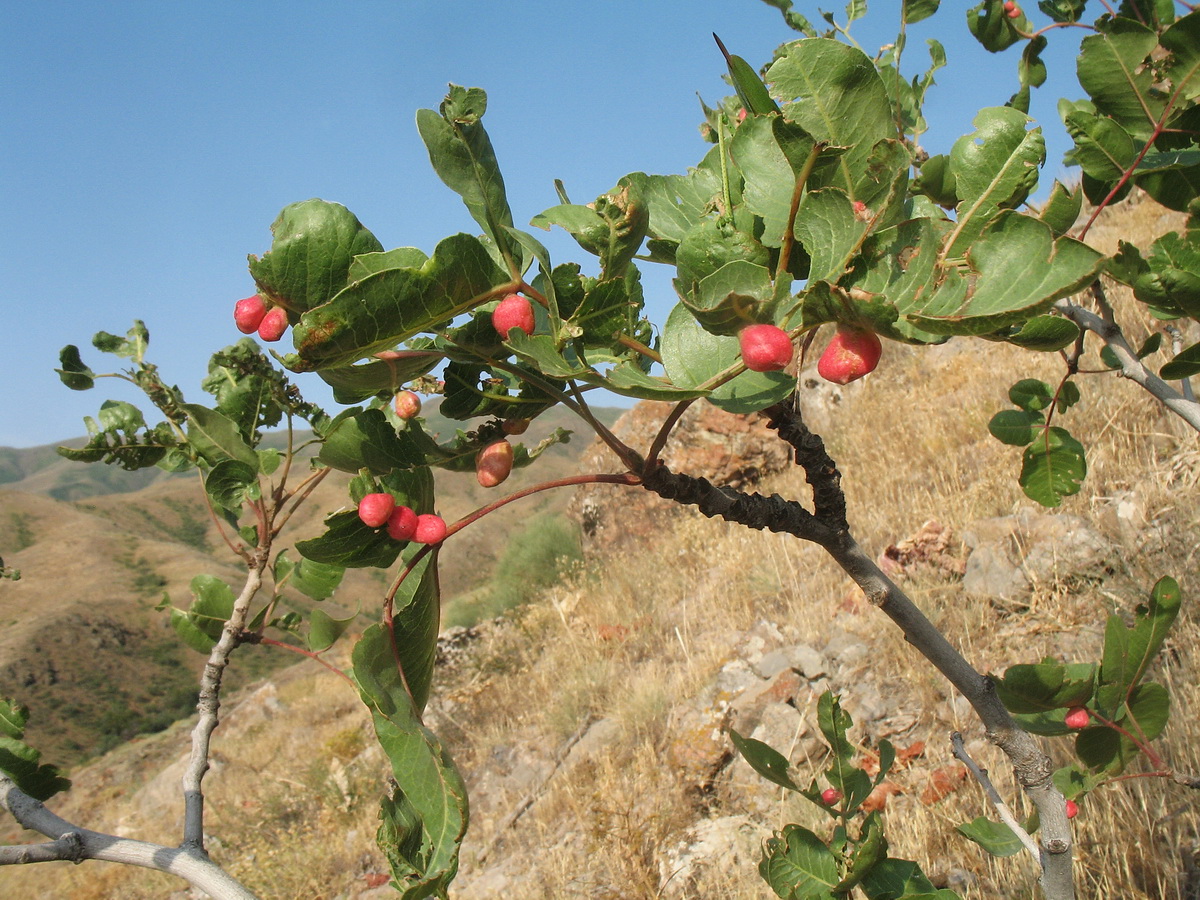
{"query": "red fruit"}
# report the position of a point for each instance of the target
(514, 311)
(742, 114)
(493, 463)
(430, 529)
(765, 348)
(248, 314)
(1009, 6)
(273, 324)
(830, 796)
(1077, 718)
(402, 524)
(407, 405)
(374, 509)
(1015, 12)
(1072, 809)
(853, 353)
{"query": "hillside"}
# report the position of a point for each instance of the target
(590, 724)
(97, 551)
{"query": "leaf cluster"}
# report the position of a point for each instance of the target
(800, 865)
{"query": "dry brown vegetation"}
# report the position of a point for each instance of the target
(294, 786)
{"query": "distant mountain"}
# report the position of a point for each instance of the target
(98, 548)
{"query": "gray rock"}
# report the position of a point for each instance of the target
(727, 842)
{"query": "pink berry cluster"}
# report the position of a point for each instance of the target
(380, 510)
(1011, 9)
(252, 314)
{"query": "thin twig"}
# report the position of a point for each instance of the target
(1006, 816)
(1131, 367)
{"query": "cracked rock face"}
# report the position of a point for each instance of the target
(1010, 555)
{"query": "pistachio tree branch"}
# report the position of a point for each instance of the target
(210, 703)
(1132, 367)
(77, 844)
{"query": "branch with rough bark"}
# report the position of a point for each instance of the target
(209, 706)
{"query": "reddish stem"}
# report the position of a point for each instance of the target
(622, 478)
(294, 649)
(660, 439)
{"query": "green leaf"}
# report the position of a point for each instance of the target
(425, 815)
(1045, 334)
(1182, 40)
(1111, 68)
(991, 26)
(314, 243)
(871, 850)
(216, 437)
(365, 439)
(937, 181)
(995, 168)
(212, 605)
(230, 483)
(392, 305)
(13, 718)
(132, 346)
(835, 94)
(677, 202)
(796, 863)
(1053, 467)
(919, 10)
(1068, 395)
(692, 357)
(73, 373)
(348, 542)
(324, 629)
(1129, 653)
(1021, 270)
(1185, 364)
(189, 633)
(630, 380)
(1046, 686)
(19, 761)
(891, 878)
(462, 155)
(1150, 708)
(749, 87)
(1062, 208)
(313, 579)
(994, 837)
(1103, 149)
(730, 298)
(765, 760)
(830, 232)
(769, 176)
(1031, 394)
(1015, 427)
(897, 268)
(247, 387)
(388, 373)
(711, 244)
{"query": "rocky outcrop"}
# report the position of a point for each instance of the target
(733, 450)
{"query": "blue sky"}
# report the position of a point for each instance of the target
(147, 146)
